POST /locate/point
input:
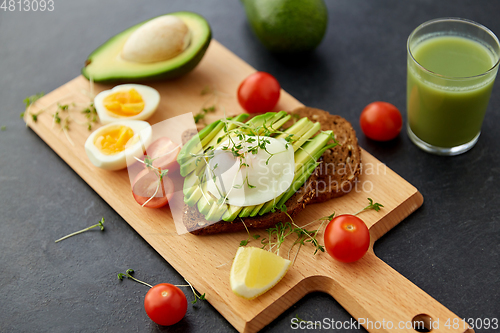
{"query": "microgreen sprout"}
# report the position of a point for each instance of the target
(129, 272)
(148, 162)
(206, 90)
(57, 118)
(278, 234)
(30, 100)
(91, 114)
(329, 217)
(245, 241)
(282, 208)
(196, 296)
(375, 206)
(212, 100)
(99, 224)
(34, 116)
(203, 112)
(63, 107)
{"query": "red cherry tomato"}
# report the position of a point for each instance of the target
(144, 187)
(165, 304)
(164, 154)
(259, 92)
(381, 121)
(347, 238)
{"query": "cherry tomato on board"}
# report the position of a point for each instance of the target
(164, 154)
(346, 238)
(259, 92)
(165, 304)
(144, 187)
(381, 121)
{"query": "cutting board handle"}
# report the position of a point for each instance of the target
(381, 298)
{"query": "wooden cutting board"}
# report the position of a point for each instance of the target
(370, 290)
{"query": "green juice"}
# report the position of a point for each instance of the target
(448, 100)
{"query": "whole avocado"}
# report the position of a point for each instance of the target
(288, 26)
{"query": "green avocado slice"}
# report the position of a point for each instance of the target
(106, 65)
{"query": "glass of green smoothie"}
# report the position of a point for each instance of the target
(452, 65)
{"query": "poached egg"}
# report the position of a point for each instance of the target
(245, 174)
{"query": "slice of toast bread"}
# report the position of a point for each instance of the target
(335, 176)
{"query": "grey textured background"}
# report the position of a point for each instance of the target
(449, 247)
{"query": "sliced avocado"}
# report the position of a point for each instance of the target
(214, 142)
(307, 126)
(191, 164)
(294, 129)
(246, 211)
(194, 144)
(194, 197)
(216, 212)
(205, 203)
(306, 136)
(256, 210)
(277, 125)
(191, 182)
(311, 148)
(298, 183)
(106, 64)
(231, 213)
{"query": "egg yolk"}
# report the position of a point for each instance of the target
(114, 139)
(124, 103)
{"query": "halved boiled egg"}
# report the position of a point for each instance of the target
(111, 146)
(126, 101)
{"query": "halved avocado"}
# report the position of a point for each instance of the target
(106, 64)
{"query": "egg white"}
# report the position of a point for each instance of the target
(150, 96)
(225, 176)
(142, 136)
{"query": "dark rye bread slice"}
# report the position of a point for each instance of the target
(334, 177)
(341, 165)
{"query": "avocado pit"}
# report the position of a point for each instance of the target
(160, 39)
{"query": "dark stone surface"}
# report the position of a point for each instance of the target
(450, 247)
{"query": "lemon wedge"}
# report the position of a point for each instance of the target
(255, 271)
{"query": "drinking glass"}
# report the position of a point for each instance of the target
(452, 65)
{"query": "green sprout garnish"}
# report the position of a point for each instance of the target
(99, 224)
(245, 242)
(30, 100)
(129, 272)
(203, 113)
(375, 206)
